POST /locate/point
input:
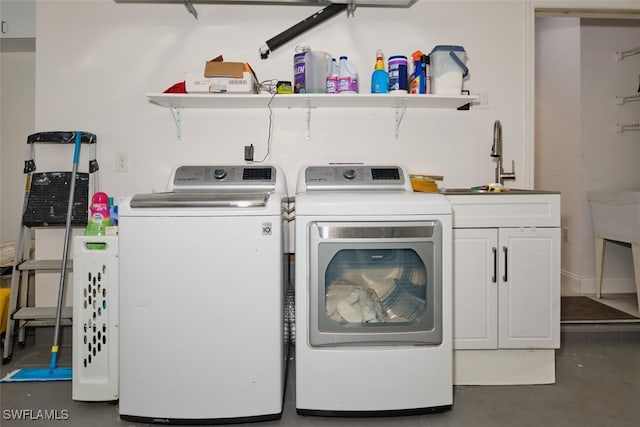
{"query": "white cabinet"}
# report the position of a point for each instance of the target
(529, 287)
(505, 284)
(18, 18)
(475, 288)
(506, 280)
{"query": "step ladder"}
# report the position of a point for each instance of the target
(45, 205)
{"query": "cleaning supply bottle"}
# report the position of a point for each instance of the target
(398, 73)
(99, 218)
(426, 66)
(379, 77)
(347, 76)
(417, 84)
(113, 212)
(332, 80)
(299, 69)
(317, 68)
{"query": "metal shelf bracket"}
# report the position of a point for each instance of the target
(399, 115)
(176, 113)
(308, 121)
(192, 10)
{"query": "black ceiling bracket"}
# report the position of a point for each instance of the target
(192, 10)
(351, 7)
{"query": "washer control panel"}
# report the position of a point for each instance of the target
(354, 177)
(203, 178)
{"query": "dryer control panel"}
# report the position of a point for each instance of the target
(355, 177)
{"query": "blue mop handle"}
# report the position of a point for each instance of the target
(76, 150)
(54, 359)
(65, 253)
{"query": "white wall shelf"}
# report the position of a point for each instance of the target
(620, 100)
(399, 102)
(627, 127)
(319, 100)
(624, 99)
(630, 52)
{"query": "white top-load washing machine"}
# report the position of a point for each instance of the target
(373, 294)
(202, 283)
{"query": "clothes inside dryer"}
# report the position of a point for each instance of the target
(375, 285)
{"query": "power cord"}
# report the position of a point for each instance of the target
(269, 86)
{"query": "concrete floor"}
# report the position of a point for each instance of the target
(598, 384)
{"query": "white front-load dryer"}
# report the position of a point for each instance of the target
(202, 292)
(373, 294)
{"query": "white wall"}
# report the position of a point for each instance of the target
(557, 129)
(610, 159)
(96, 59)
(114, 53)
(17, 117)
(577, 146)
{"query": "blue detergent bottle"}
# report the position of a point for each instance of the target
(379, 77)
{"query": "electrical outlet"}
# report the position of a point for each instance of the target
(565, 234)
(122, 162)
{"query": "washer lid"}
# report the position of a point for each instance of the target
(196, 199)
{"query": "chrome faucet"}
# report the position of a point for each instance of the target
(496, 151)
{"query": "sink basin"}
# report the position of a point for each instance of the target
(616, 215)
(471, 191)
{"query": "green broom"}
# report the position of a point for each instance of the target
(53, 373)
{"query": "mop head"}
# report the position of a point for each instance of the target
(37, 374)
(52, 373)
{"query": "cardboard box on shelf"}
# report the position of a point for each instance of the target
(217, 67)
(220, 76)
(195, 82)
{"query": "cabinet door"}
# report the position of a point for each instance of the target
(475, 288)
(18, 18)
(529, 287)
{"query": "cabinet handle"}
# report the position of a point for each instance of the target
(2, 27)
(494, 250)
(506, 268)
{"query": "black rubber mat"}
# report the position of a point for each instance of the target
(576, 308)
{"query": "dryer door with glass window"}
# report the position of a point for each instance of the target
(375, 283)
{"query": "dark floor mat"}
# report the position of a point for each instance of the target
(584, 308)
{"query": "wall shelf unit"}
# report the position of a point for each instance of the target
(399, 102)
(629, 52)
(314, 100)
(620, 100)
(624, 99)
(627, 127)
